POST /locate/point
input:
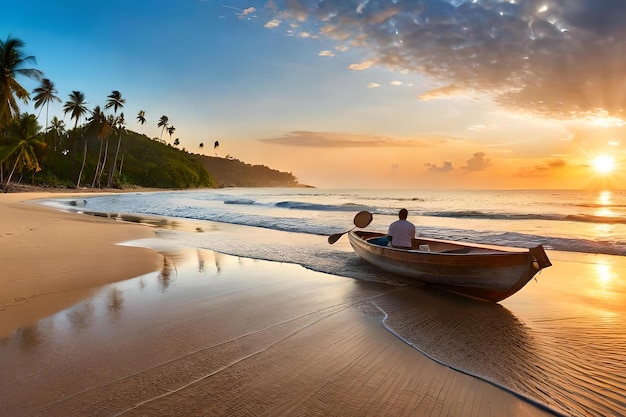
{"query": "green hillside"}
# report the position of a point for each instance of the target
(140, 161)
(143, 162)
(229, 172)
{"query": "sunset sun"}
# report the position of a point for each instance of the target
(603, 164)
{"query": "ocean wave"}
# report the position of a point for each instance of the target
(324, 219)
(588, 218)
(243, 201)
(601, 205)
(474, 214)
(522, 240)
(299, 205)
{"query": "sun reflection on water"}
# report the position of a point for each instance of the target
(604, 198)
(604, 204)
(606, 290)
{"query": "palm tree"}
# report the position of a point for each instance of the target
(98, 126)
(116, 101)
(163, 123)
(141, 117)
(171, 131)
(45, 94)
(77, 107)
(12, 61)
(176, 142)
(57, 126)
(120, 122)
(21, 140)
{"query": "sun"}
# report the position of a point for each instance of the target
(603, 164)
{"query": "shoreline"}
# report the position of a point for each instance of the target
(59, 260)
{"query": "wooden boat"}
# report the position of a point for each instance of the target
(486, 272)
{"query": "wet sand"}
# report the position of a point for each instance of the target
(50, 260)
(203, 333)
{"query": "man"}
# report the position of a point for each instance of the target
(401, 231)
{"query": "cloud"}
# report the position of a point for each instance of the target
(545, 170)
(396, 83)
(362, 66)
(341, 140)
(274, 23)
(247, 12)
(555, 58)
(477, 162)
(373, 85)
(442, 92)
(326, 53)
(445, 167)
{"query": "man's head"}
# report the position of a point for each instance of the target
(403, 214)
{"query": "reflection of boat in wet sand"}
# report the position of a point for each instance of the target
(486, 272)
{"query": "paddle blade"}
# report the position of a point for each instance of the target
(362, 219)
(333, 238)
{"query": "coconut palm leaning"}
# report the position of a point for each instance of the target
(12, 62)
(98, 127)
(77, 107)
(44, 95)
(119, 125)
(116, 101)
(163, 123)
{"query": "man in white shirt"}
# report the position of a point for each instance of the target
(401, 231)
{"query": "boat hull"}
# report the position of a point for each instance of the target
(485, 272)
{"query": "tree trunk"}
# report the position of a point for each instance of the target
(117, 152)
(95, 174)
(80, 174)
(6, 186)
(121, 166)
(104, 162)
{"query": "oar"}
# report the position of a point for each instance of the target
(361, 220)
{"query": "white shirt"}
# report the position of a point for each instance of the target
(402, 231)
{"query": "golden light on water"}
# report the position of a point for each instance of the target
(604, 200)
(604, 273)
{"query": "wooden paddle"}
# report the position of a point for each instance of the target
(361, 220)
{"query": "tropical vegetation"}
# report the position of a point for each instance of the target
(98, 150)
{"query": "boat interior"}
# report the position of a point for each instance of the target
(435, 246)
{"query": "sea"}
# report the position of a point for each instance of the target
(560, 342)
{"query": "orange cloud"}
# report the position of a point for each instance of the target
(345, 140)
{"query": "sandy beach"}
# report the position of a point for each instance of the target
(89, 327)
(52, 259)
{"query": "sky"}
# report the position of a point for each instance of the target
(413, 94)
